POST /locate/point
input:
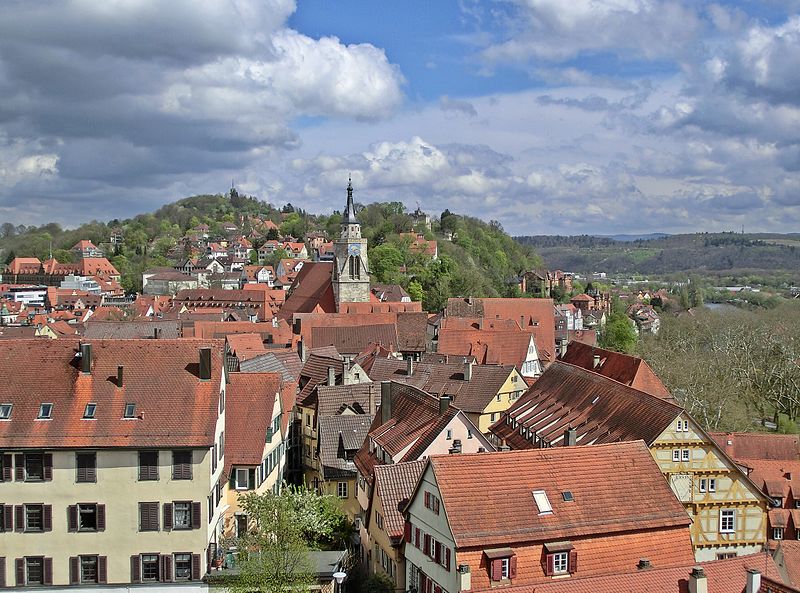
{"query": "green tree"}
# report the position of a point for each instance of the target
(618, 334)
(377, 583)
(415, 291)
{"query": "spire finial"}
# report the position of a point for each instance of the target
(350, 210)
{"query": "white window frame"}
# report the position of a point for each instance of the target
(727, 520)
(712, 484)
(505, 569)
(5, 411)
(702, 486)
(676, 455)
(45, 411)
(686, 455)
(449, 434)
(239, 484)
(542, 502)
(777, 533)
(561, 563)
(341, 487)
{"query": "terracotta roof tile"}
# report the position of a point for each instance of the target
(312, 290)
(132, 329)
(339, 436)
(394, 483)
(756, 445)
(352, 339)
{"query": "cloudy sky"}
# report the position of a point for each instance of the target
(587, 116)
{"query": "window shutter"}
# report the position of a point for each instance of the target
(197, 516)
(497, 569)
(195, 567)
(573, 561)
(166, 568)
(427, 500)
(72, 517)
(102, 569)
(437, 553)
(447, 559)
(19, 518)
(416, 537)
(2, 571)
(47, 517)
(101, 517)
(551, 565)
(73, 570)
(8, 517)
(251, 479)
(407, 532)
(48, 571)
(512, 567)
(427, 545)
(48, 469)
(136, 573)
(167, 516)
(8, 463)
(19, 565)
(19, 460)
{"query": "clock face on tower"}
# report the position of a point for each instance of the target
(354, 249)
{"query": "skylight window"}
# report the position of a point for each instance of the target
(45, 411)
(5, 411)
(542, 502)
(567, 496)
(88, 413)
(130, 411)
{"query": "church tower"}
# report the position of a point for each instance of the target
(350, 263)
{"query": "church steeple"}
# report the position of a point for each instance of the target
(350, 258)
(350, 211)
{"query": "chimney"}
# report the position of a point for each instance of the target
(464, 577)
(697, 581)
(331, 376)
(444, 403)
(644, 564)
(468, 370)
(522, 321)
(753, 581)
(456, 448)
(504, 446)
(301, 350)
(119, 375)
(570, 437)
(155, 333)
(86, 359)
(347, 362)
(409, 367)
(296, 327)
(386, 401)
(274, 322)
(205, 364)
(596, 361)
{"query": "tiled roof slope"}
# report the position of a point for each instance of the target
(132, 329)
(245, 346)
(601, 410)
(282, 334)
(757, 445)
(338, 435)
(353, 339)
(487, 347)
(161, 377)
(630, 370)
(723, 576)
(363, 398)
(788, 555)
(410, 333)
(249, 407)
(394, 483)
(446, 379)
(312, 289)
(314, 372)
(504, 481)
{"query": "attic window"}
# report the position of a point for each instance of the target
(5, 411)
(542, 502)
(567, 496)
(595, 400)
(45, 411)
(130, 411)
(88, 413)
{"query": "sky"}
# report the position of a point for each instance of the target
(552, 117)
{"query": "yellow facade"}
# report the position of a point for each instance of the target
(729, 514)
(382, 556)
(510, 392)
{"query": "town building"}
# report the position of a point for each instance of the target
(351, 264)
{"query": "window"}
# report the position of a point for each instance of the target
(183, 567)
(727, 521)
(87, 517)
(777, 533)
(676, 455)
(150, 567)
(86, 467)
(498, 397)
(130, 411)
(45, 412)
(685, 454)
(505, 565)
(560, 562)
(703, 483)
(34, 517)
(182, 515)
(148, 465)
(242, 482)
(378, 520)
(493, 417)
(432, 502)
(726, 555)
(341, 489)
(89, 569)
(34, 571)
(5, 411)
(449, 434)
(34, 467)
(181, 465)
(469, 433)
(542, 502)
(88, 412)
(221, 445)
(241, 525)
(148, 516)
(712, 484)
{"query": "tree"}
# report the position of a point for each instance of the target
(618, 334)
(377, 583)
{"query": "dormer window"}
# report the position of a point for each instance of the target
(88, 412)
(45, 412)
(130, 411)
(5, 411)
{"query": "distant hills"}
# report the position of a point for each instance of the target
(729, 255)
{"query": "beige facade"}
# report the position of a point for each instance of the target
(728, 511)
(510, 392)
(382, 556)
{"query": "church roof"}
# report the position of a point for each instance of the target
(349, 216)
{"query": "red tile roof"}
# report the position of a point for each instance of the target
(394, 483)
(627, 369)
(488, 347)
(788, 557)
(311, 290)
(758, 445)
(281, 335)
(160, 376)
(352, 339)
(249, 408)
(245, 346)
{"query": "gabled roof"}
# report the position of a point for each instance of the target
(601, 410)
(311, 290)
(362, 398)
(627, 369)
(395, 483)
(159, 376)
(314, 372)
(285, 361)
(339, 435)
(250, 400)
(488, 347)
(758, 445)
(245, 346)
(504, 482)
(354, 338)
(132, 329)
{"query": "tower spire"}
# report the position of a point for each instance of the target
(350, 211)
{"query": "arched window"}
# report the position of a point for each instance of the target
(355, 266)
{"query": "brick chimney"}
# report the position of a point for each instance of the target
(120, 369)
(386, 401)
(86, 359)
(468, 370)
(444, 404)
(205, 364)
(409, 367)
(570, 437)
(698, 583)
(331, 376)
